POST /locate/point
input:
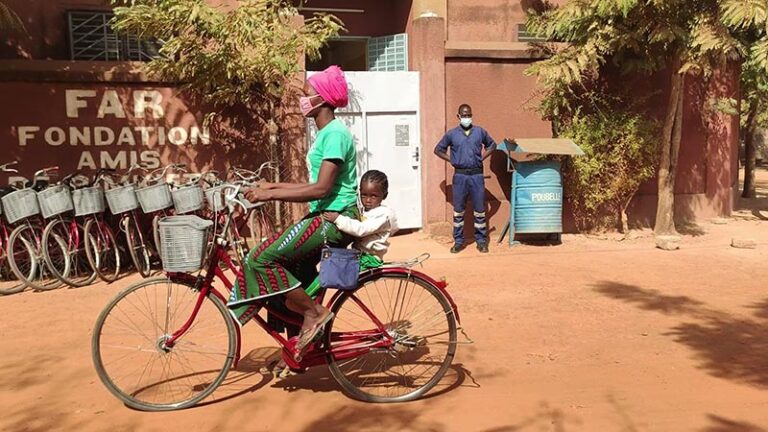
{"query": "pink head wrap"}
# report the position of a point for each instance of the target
(331, 86)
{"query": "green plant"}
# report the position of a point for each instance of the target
(680, 37)
(621, 153)
(247, 56)
(9, 21)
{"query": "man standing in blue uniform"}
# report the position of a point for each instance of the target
(470, 146)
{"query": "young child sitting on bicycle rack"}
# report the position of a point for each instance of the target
(377, 224)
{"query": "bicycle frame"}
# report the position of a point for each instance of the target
(348, 344)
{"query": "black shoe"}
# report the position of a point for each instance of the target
(457, 248)
(482, 247)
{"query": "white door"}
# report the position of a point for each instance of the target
(383, 116)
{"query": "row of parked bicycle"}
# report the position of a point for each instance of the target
(56, 233)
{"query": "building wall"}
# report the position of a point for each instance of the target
(379, 18)
(498, 92)
(46, 25)
(484, 67)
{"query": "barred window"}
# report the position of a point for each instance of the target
(524, 36)
(91, 38)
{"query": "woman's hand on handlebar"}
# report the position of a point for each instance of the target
(265, 185)
(257, 194)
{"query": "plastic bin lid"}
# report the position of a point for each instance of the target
(529, 146)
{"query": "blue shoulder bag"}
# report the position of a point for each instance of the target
(339, 268)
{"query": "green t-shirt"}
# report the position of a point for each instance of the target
(334, 141)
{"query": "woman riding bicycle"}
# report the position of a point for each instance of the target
(288, 260)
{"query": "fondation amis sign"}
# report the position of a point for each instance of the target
(88, 127)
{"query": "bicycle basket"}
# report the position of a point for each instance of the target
(187, 199)
(122, 199)
(183, 241)
(20, 204)
(88, 201)
(155, 198)
(55, 200)
(215, 198)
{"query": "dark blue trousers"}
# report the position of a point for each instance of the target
(472, 187)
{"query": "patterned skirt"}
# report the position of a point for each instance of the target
(284, 262)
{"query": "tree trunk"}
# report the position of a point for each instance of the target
(670, 147)
(750, 152)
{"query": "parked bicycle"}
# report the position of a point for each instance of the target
(25, 251)
(101, 246)
(123, 202)
(9, 283)
(167, 343)
(64, 227)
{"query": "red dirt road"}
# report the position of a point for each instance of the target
(593, 335)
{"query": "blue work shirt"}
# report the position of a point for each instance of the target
(466, 149)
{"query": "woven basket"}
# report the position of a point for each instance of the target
(55, 200)
(122, 199)
(183, 241)
(88, 201)
(20, 204)
(188, 199)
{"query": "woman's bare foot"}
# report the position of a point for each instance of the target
(314, 321)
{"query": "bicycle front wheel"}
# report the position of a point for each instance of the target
(392, 339)
(131, 356)
(137, 247)
(9, 282)
(25, 258)
(75, 271)
(101, 249)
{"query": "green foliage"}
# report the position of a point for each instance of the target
(621, 152)
(9, 21)
(227, 56)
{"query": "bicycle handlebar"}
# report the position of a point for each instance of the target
(4, 167)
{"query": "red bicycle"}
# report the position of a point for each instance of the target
(168, 343)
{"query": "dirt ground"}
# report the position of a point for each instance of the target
(591, 335)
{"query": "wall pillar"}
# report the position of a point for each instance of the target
(427, 55)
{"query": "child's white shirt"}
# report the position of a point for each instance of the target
(372, 232)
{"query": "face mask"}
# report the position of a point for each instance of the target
(466, 122)
(305, 104)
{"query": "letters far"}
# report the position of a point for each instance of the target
(111, 105)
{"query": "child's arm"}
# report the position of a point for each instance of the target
(373, 222)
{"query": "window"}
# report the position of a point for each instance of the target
(385, 53)
(524, 36)
(388, 53)
(347, 52)
(91, 38)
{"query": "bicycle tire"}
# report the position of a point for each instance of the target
(411, 344)
(98, 239)
(156, 234)
(37, 275)
(80, 272)
(137, 248)
(10, 283)
(133, 318)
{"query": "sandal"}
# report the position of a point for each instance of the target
(306, 337)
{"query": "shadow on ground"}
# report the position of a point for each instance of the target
(726, 346)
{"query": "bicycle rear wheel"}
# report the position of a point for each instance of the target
(137, 247)
(129, 352)
(26, 258)
(76, 271)
(392, 339)
(101, 249)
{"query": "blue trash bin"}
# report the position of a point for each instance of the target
(536, 196)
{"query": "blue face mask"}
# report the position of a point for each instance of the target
(466, 122)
